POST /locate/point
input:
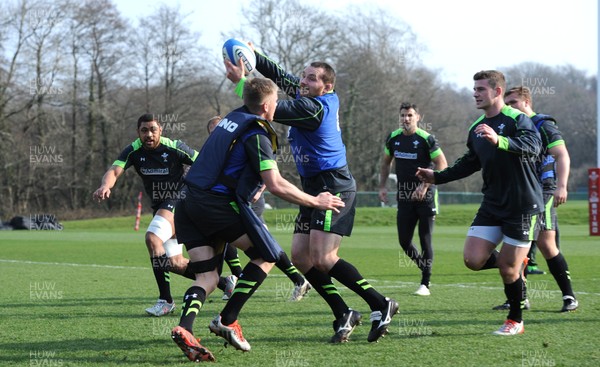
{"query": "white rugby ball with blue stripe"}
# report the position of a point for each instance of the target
(238, 51)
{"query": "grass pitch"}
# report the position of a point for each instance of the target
(77, 298)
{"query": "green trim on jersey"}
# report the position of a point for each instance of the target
(556, 143)
(392, 136)
(395, 133)
(137, 144)
(511, 112)
(476, 122)
(272, 134)
(168, 142)
(502, 142)
(173, 144)
(506, 111)
(268, 164)
(422, 133)
(235, 206)
(435, 153)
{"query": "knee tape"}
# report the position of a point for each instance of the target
(161, 227)
(172, 247)
(204, 266)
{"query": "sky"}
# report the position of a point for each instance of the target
(460, 37)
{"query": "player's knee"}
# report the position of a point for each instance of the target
(178, 264)
(472, 263)
(509, 274)
(159, 231)
(301, 263)
(323, 263)
(154, 244)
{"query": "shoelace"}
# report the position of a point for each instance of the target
(508, 325)
(238, 330)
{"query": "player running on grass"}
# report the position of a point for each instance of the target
(160, 162)
(553, 171)
(236, 160)
(503, 143)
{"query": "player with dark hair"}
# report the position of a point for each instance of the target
(234, 163)
(411, 147)
(160, 162)
(503, 143)
(320, 156)
(553, 172)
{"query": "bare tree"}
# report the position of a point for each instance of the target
(103, 31)
(75, 76)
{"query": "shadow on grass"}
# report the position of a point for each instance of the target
(87, 351)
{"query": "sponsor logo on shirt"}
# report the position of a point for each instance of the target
(405, 155)
(154, 171)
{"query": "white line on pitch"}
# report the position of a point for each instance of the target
(71, 264)
(390, 285)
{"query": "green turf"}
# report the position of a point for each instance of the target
(76, 298)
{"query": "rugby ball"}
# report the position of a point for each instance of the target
(238, 51)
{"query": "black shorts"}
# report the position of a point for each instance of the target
(327, 220)
(168, 205)
(548, 218)
(207, 219)
(521, 227)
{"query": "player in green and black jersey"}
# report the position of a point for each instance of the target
(160, 162)
(504, 144)
(411, 147)
(553, 171)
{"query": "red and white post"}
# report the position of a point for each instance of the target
(138, 213)
(594, 200)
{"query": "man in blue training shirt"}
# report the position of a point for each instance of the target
(320, 156)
